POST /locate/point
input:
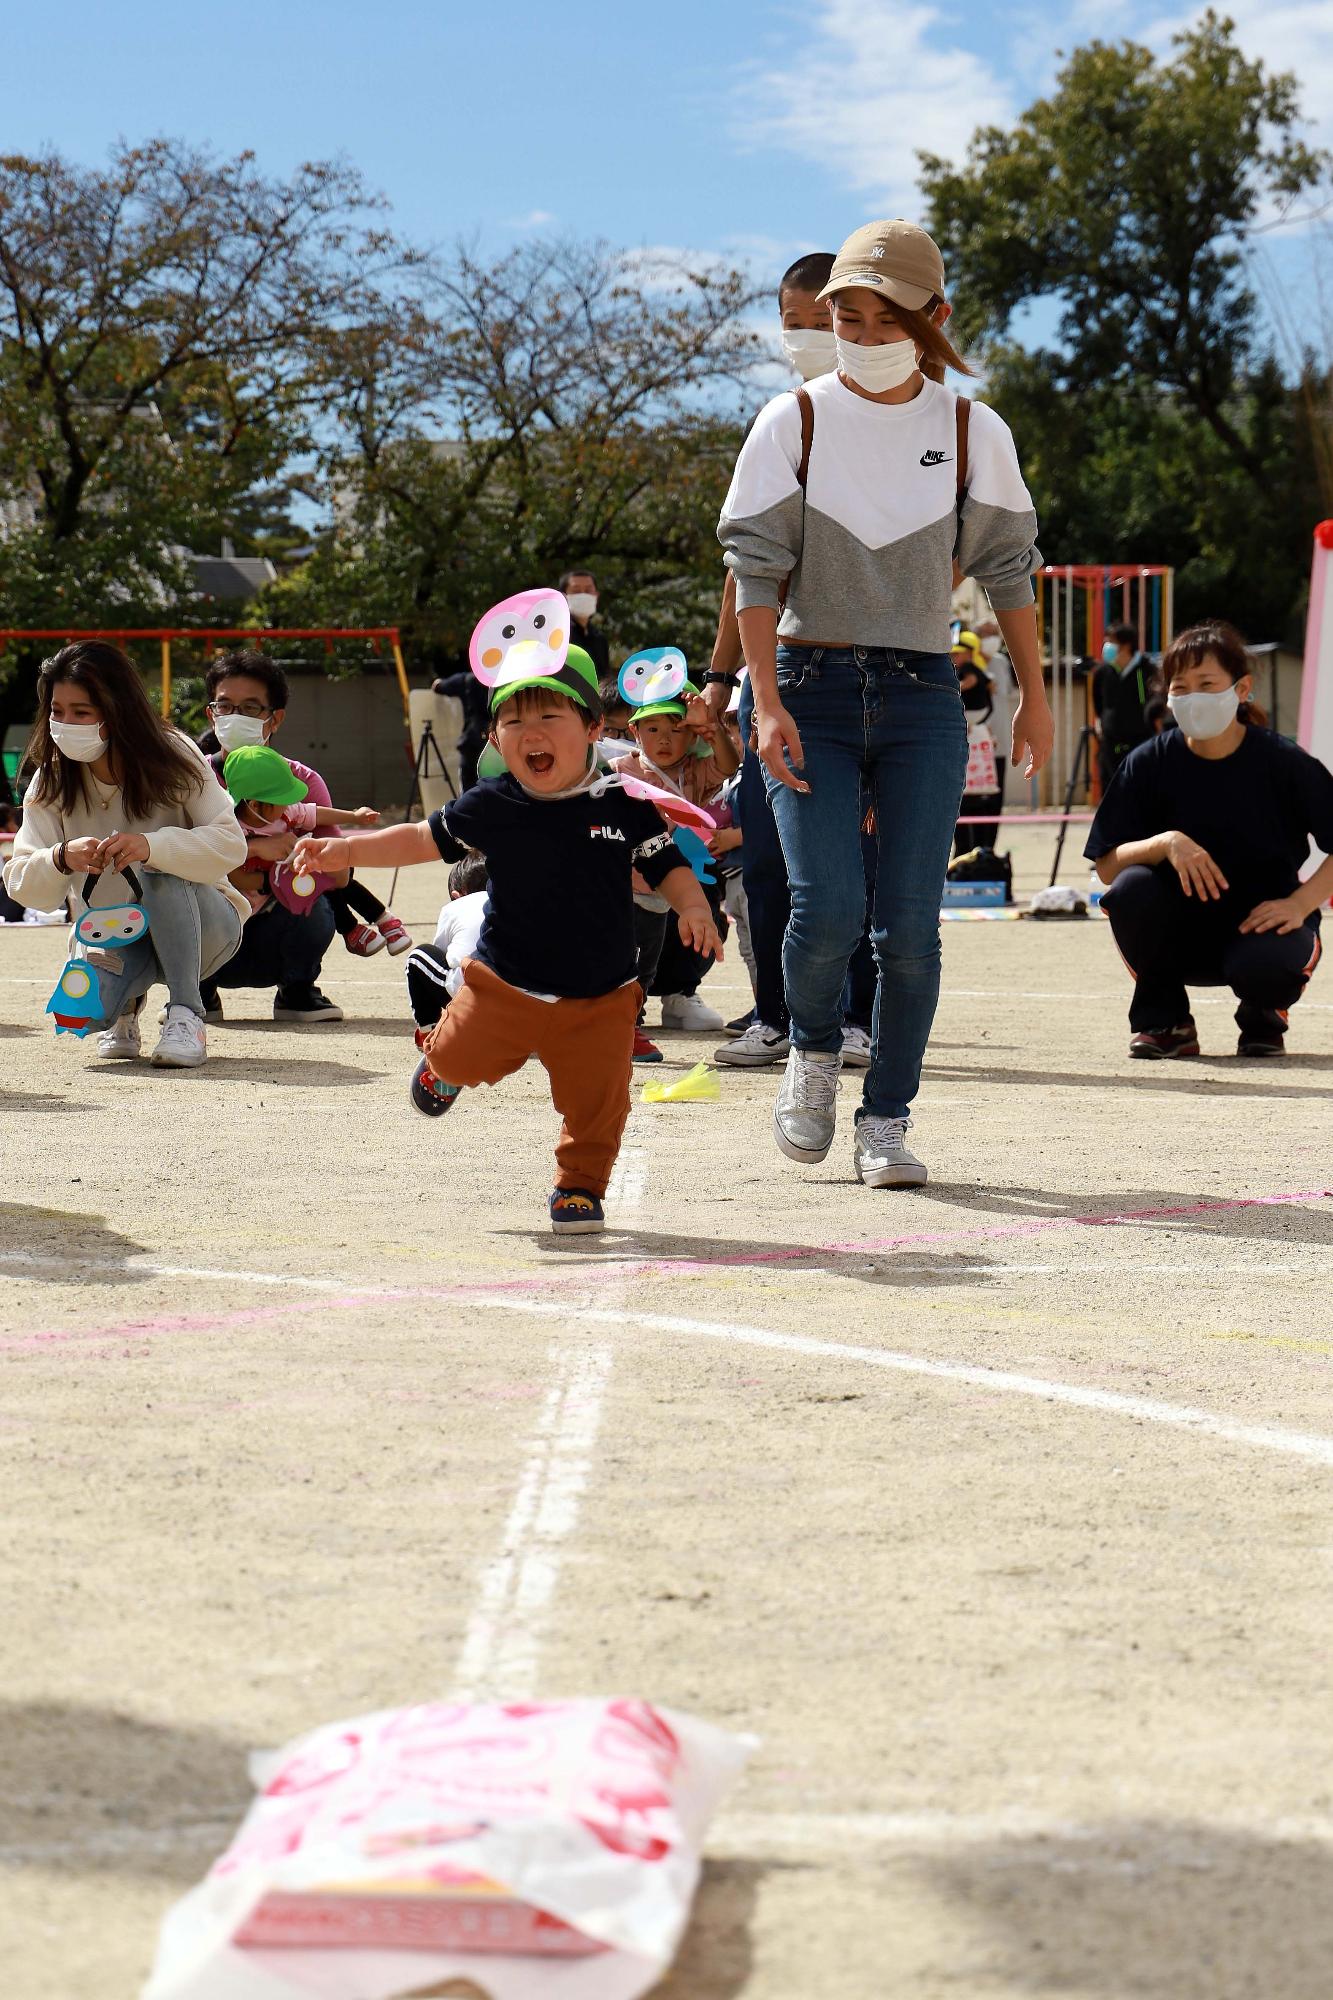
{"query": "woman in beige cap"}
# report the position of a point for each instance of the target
(851, 502)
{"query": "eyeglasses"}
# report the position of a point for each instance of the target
(254, 709)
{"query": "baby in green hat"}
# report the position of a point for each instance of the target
(269, 798)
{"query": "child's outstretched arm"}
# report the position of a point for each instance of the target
(340, 816)
(391, 847)
(693, 915)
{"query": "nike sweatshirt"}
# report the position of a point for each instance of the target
(869, 547)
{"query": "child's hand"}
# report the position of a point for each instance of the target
(699, 932)
(724, 839)
(366, 816)
(700, 717)
(321, 857)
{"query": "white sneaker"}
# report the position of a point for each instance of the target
(688, 1011)
(806, 1111)
(184, 1044)
(882, 1157)
(756, 1048)
(121, 1041)
(855, 1048)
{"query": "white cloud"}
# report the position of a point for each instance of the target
(875, 82)
(536, 218)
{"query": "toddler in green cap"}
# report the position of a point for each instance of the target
(270, 797)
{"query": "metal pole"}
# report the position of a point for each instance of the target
(403, 688)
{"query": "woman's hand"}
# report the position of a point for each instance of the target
(273, 846)
(321, 857)
(365, 816)
(118, 850)
(1199, 874)
(1282, 914)
(777, 732)
(1033, 733)
(84, 856)
(699, 932)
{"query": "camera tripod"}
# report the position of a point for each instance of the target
(426, 749)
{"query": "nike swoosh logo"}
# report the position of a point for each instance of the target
(934, 458)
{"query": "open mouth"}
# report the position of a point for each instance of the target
(539, 762)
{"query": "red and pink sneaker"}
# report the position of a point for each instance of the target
(364, 940)
(394, 933)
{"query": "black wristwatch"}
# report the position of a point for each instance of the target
(721, 680)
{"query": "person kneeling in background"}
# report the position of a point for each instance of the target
(1202, 837)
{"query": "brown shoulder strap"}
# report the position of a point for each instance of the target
(807, 410)
(963, 414)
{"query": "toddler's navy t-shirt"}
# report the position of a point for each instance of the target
(1254, 811)
(561, 913)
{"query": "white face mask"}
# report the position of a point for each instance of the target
(1205, 715)
(990, 646)
(811, 350)
(877, 368)
(81, 742)
(239, 732)
(582, 604)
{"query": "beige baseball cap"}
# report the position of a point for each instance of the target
(895, 258)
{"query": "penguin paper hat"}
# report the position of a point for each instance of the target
(654, 682)
(523, 642)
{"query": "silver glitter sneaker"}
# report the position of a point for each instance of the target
(882, 1157)
(806, 1111)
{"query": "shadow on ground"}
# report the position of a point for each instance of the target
(40, 1243)
(716, 1957)
(91, 1791)
(1146, 1910)
(1192, 1079)
(285, 1072)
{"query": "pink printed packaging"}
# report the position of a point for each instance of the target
(533, 1850)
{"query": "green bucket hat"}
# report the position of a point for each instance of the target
(576, 678)
(261, 774)
(676, 706)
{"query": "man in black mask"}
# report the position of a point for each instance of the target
(579, 587)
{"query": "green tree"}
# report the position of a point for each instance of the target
(1157, 426)
(560, 406)
(158, 322)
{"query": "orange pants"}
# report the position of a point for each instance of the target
(489, 1029)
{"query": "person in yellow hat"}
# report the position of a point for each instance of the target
(984, 779)
(852, 501)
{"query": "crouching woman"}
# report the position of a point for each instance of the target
(116, 787)
(1202, 836)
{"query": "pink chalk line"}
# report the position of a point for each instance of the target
(148, 1328)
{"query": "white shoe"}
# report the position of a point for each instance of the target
(121, 1041)
(807, 1108)
(184, 1044)
(688, 1011)
(855, 1048)
(756, 1048)
(882, 1156)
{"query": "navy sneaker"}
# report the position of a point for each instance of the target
(576, 1212)
(429, 1096)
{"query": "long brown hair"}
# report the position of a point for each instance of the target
(937, 350)
(1223, 643)
(150, 766)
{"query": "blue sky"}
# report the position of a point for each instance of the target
(750, 128)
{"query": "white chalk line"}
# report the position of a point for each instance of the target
(1206, 1423)
(1199, 1839)
(501, 1646)
(1109, 1402)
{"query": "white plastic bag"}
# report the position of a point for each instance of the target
(528, 1851)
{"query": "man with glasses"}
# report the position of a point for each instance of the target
(247, 700)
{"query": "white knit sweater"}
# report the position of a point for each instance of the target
(199, 840)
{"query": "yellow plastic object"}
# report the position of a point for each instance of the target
(698, 1086)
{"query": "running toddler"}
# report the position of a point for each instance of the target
(554, 971)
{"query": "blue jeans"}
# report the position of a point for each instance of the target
(193, 930)
(890, 724)
(764, 875)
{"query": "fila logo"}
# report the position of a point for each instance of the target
(934, 458)
(606, 833)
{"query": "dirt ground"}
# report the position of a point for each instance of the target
(999, 1511)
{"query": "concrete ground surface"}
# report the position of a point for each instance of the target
(999, 1511)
